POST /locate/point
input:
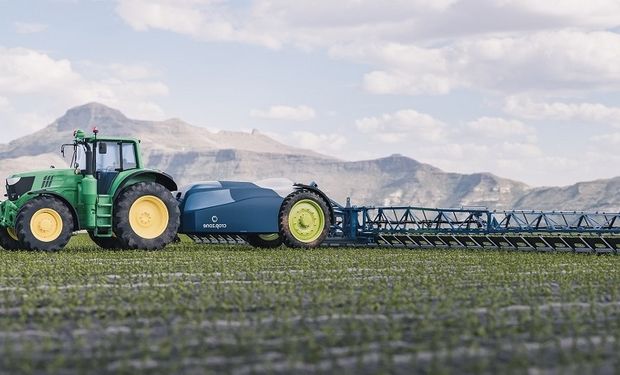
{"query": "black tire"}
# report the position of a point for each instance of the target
(263, 241)
(106, 242)
(24, 226)
(7, 241)
(122, 224)
(288, 235)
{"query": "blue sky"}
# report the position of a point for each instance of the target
(520, 88)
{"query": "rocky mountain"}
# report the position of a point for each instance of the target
(192, 153)
(168, 136)
(599, 195)
(392, 180)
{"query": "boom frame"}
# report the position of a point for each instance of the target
(475, 227)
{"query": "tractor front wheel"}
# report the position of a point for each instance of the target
(304, 220)
(44, 224)
(146, 217)
(9, 239)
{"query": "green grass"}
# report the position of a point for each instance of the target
(217, 309)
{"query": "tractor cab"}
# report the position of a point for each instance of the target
(108, 159)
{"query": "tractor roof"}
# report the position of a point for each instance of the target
(81, 136)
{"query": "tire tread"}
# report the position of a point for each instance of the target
(285, 232)
(122, 228)
(28, 240)
(7, 242)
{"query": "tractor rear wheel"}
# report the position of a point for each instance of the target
(146, 217)
(265, 241)
(44, 224)
(304, 220)
(9, 239)
(106, 242)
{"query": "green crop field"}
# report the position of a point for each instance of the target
(216, 309)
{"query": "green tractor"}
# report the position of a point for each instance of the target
(107, 192)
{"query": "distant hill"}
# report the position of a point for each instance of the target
(166, 136)
(600, 195)
(192, 153)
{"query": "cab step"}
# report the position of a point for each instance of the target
(103, 216)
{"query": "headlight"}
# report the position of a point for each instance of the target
(12, 180)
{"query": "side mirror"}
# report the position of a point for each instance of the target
(103, 148)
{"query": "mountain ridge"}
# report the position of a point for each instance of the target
(170, 134)
(192, 153)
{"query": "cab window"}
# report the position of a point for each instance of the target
(129, 156)
(115, 156)
(108, 156)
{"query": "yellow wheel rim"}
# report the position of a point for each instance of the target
(306, 220)
(148, 217)
(12, 233)
(46, 225)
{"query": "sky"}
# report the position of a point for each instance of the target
(525, 89)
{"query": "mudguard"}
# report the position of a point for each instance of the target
(232, 207)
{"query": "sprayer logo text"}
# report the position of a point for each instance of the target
(214, 224)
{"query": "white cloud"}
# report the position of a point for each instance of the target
(202, 19)
(525, 107)
(318, 141)
(409, 69)
(177, 16)
(547, 61)
(495, 127)
(25, 71)
(273, 23)
(601, 13)
(422, 131)
(52, 85)
(320, 23)
(29, 27)
(329, 144)
(402, 126)
(419, 46)
(285, 113)
(28, 72)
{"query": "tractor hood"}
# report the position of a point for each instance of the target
(49, 179)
